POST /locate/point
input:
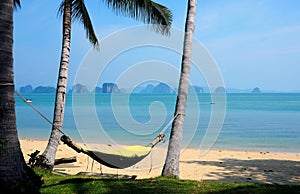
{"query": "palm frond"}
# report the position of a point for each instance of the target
(60, 11)
(146, 11)
(17, 4)
(80, 13)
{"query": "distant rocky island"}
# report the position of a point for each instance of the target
(76, 89)
(106, 88)
(151, 89)
(256, 90)
(40, 89)
(160, 88)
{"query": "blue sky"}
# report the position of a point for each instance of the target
(255, 43)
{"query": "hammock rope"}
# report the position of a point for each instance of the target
(39, 112)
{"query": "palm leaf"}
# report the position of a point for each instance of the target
(17, 4)
(146, 11)
(80, 13)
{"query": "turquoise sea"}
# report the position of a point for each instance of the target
(263, 122)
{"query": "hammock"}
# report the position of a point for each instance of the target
(122, 158)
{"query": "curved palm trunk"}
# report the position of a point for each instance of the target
(12, 164)
(171, 166)
(48, 156)
(148, 11)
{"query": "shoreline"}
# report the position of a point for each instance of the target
(214, 165)
(188, 147)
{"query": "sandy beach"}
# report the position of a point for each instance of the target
(214, 165)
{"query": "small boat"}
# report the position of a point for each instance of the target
(28, 100)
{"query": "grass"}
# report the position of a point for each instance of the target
(91, 184)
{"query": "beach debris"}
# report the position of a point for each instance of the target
(65, 160)
(264, 153)
(60, 172)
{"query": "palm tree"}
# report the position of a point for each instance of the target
(143, 10)
(13, 169)
(171, 166)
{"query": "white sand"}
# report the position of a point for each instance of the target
(215, 165)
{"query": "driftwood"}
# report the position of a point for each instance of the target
(65, 160)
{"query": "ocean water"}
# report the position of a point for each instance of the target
(263, 122)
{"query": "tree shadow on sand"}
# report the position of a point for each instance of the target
(265, 171)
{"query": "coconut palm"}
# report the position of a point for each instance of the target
(143, 10)
(13, 169)
(171, 166)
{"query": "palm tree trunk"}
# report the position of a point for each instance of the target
(12, 164)
(171, 166)
(48, 156)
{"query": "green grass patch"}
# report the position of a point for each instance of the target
(91, 184)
